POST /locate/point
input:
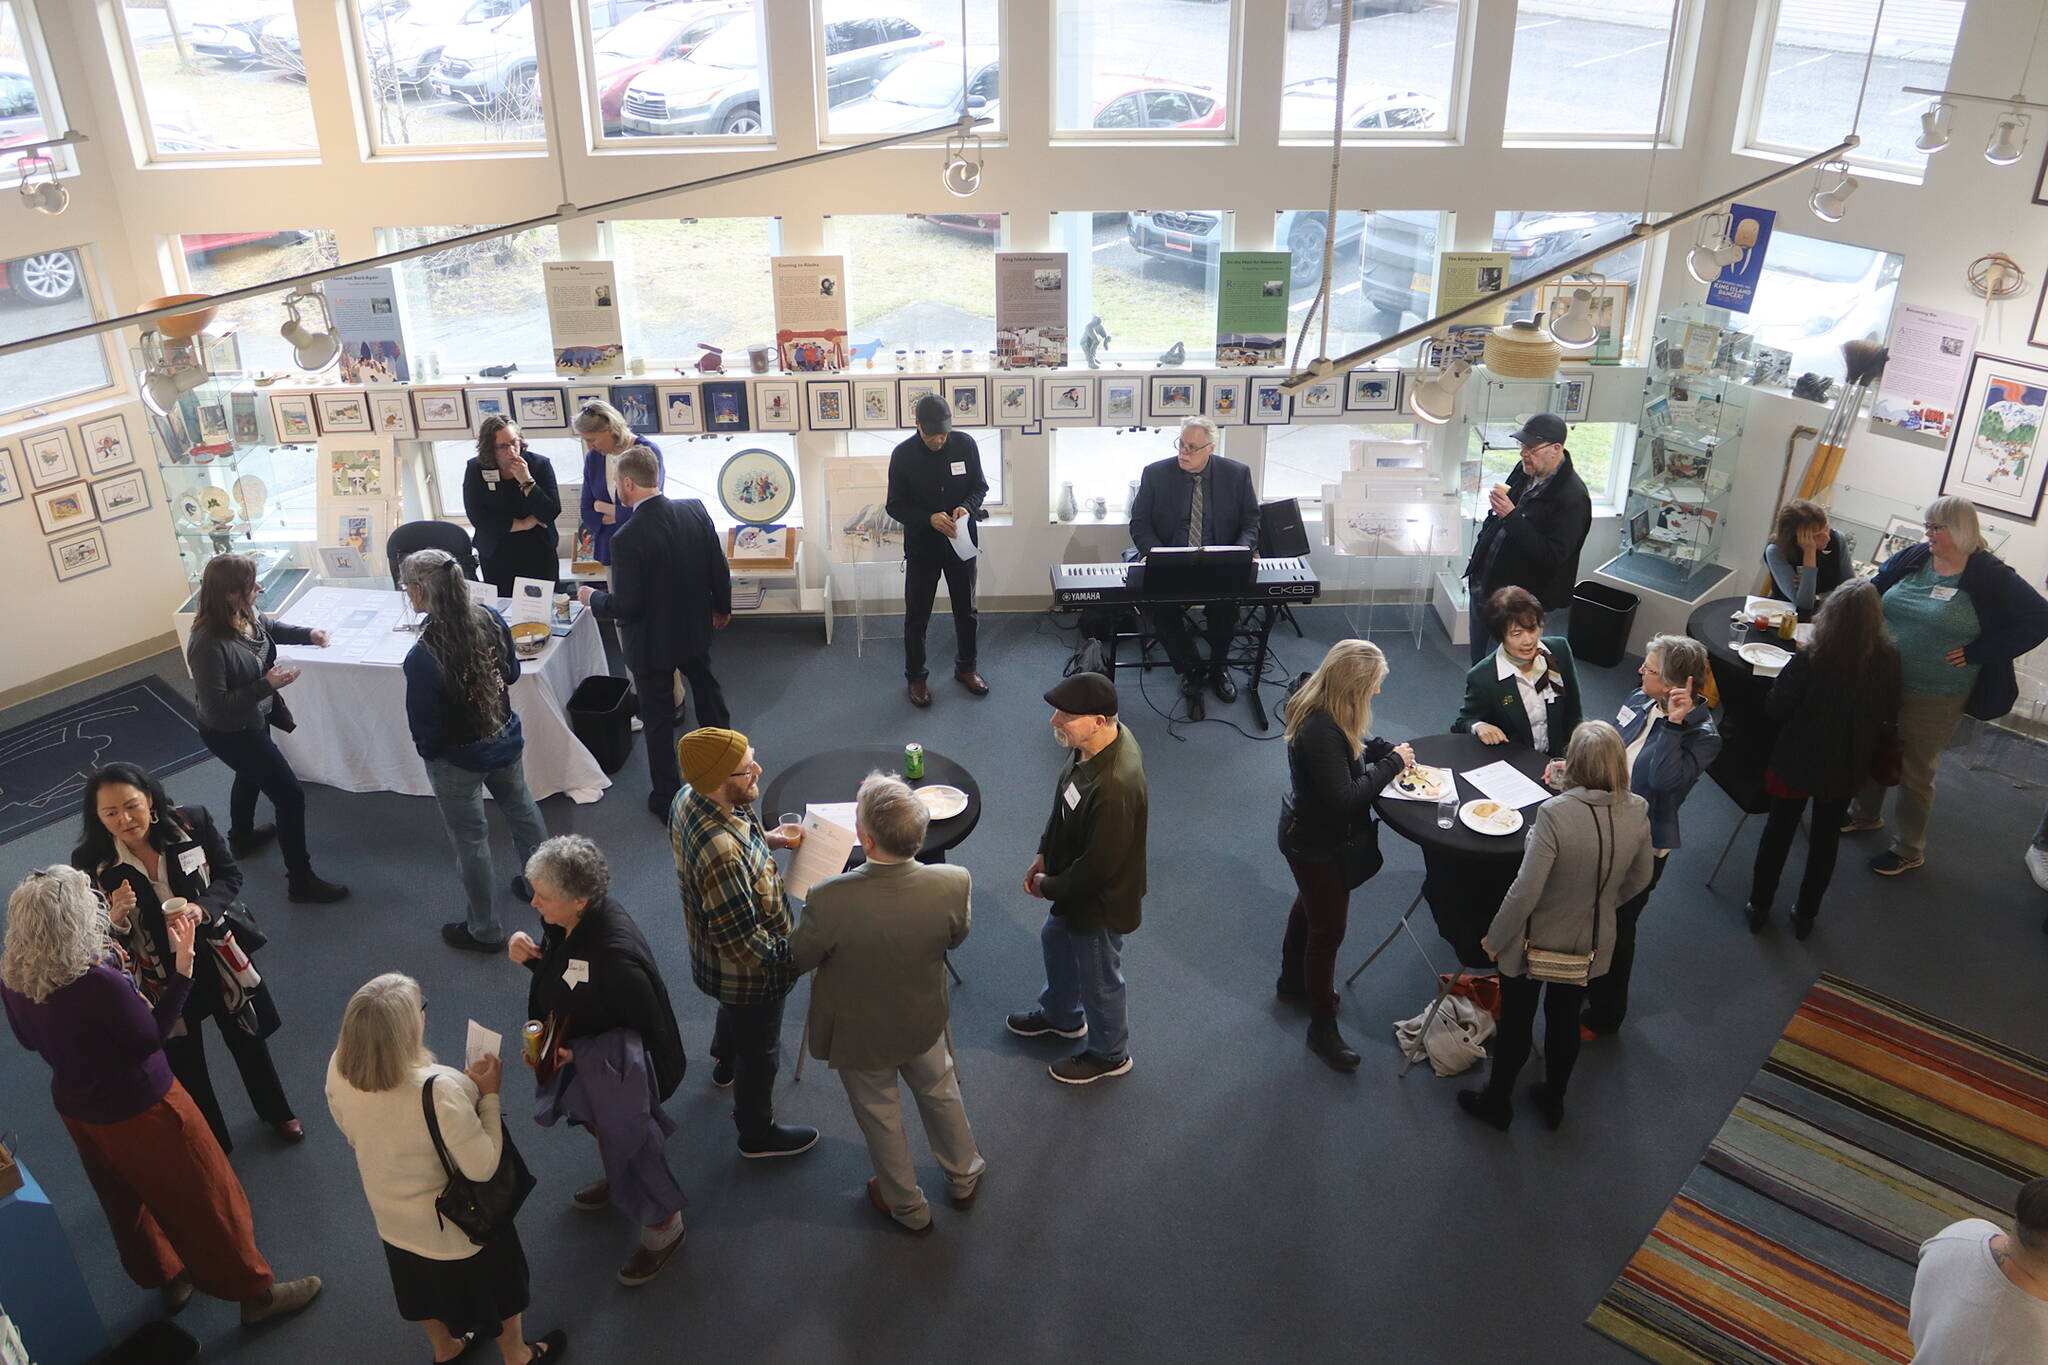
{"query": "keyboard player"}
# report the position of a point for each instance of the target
(1198, 497)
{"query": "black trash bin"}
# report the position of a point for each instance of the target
(601, 714)
(1600, 621)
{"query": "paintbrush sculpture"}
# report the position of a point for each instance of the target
(1864, 362)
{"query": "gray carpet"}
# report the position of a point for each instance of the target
(1231, 1199)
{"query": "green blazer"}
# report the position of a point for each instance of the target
(1498, 701)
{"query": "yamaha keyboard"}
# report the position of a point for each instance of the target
(1120, 584)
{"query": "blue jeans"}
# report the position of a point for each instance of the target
(1084, 980)
(459, 792)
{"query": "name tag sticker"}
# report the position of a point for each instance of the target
(1072, 795)
(491, 477)
(959, 466)
(191, 860)
(576, 973)
(1625, 716)
(1942, 594)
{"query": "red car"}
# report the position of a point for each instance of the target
(663, 33)
(54, 276)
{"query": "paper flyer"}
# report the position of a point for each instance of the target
(810, 312)
(368, 324)
(1464, 276)
(480, 1043)
(1251, 307)
(1749, 229)
(1922, 385)
(583, 317)
(1031, 309)
(827, 845)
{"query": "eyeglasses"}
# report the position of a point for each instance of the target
(1184, 448)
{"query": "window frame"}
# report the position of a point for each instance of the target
(821, 86)
(1676, 96)
(1756, 89)
(142, 126)
(43, 85)
(386, 239)
(363, 79)
(1230, 93)
(843, 442)
(1456, 98)
(601, 145)
(120, 382)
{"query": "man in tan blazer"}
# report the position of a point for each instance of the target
(877, 938)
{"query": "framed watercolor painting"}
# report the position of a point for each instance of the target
(121, 496)
(775, 405)
(725, 405)
(1121, 400)
(1372, 391)
(487, 403)
(51, 460)
(969, 400)
(1010, 401)
(391, 415)
(439, 410)
(682, 408)
(828, 404)
(1267, 404)
(348, 411)
(1226, 402)
(874, 404)
(106, 445)
(1173, 395)
(80, 553)
(1996, 458)
(1069, 398)
(1324, 398)
(63, 509)
(10, 478)
(540, 410)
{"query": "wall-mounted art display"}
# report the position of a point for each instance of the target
(1121, 399)
(1324, 398)
(1268, 403)
(391, 415)
(1372, 391)
(341, 413)
(487, 403)
(635, 403)
(1574, 394)
(583, 316)
(121, 496)
(440, 410)
(874, 404)
(10, 478)
(1031, 309)
(62, 509)
(829, 404)
(968, 398)
(539, 411)
(80, 553)
(810, 312)
(757, 486)
(775, 405)
(1067, 399)
(682, 408)
(908, 391)
(1226, 402)
(1171, 396)
(106, 445)
(1010, 402)
(51, 460)
(725, 405)
(1997, 459)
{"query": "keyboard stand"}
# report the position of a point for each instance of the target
(1264, 615)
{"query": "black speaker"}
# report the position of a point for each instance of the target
(1281, 534)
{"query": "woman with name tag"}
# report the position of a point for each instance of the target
(1960, 616)
(1528, 689)
(157, 862)
(510, 498)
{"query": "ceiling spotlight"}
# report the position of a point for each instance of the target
(47, 196)
(962, 176)
(1435, 399)
(312, 350)
(2008, 139)
(161, 382)
(1713, 249)
(1933, 128)
(1830, 202)
(1573, 328)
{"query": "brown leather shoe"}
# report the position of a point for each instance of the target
(972, 682)
(593, 1196)
(881, 1206)
(643, 1265)
(920, 695)
(291, 1130)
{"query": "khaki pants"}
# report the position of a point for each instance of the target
(1925, 724)
(935, 1086)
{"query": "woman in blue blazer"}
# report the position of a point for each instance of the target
(1526, 691)
(605, 435)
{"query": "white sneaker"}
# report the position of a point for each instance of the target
(2037, 863)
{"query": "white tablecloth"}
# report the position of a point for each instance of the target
(349, 701)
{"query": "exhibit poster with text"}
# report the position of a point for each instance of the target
(364, 306)
(810, 312)
(1031, 309)
(583, 317)
(1251, 307)
(1922, 385)
(1464, 277)
(1749, 231)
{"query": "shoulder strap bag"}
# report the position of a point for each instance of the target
(1576, 969)
(482, 1209)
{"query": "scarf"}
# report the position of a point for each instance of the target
(1549, 683)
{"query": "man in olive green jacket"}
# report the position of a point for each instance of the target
(1091, 866)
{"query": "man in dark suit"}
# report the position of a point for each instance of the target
(1533, 534)
(1196, 498)
(670, 588)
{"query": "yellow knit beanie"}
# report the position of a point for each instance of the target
(709, 756)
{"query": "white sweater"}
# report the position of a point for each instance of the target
(402, 1175)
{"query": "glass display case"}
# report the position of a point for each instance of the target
(1493, 411)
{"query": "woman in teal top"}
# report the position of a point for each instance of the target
(1526, 691)
(1959, 616)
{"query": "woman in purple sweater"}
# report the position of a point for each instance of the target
(176, 1210)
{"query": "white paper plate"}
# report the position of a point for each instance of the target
(1762, 657)
(942, 802)
(1439, 779)
(1505, 821)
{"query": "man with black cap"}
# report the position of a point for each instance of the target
(935, 489)
(1533, 533)
(1091, 866)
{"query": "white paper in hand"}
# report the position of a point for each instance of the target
(963, 538)
(822, 854)
(481, 1043)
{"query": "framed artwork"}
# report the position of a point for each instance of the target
(1070, 398)
(582, 396)
(357, 471)
(106, 445)
(1574, 392)
(969, 400)
(79, 553)
(908, 391)
(485, 403)
(725, 405)
(636, 404)
(2041, 183)
(539, 409)
(51, 460)
(682, 408)
(1324, 398)
(213, 426)
(121, 496)
(1372, 391)
(248, 425)
(1996, 458)
(347, 411)
(1121, 400)
(757, 486)
(391, 415)
(1899, 532)
(874, 404)
(439, 410)
(1226, 402)
(354, 526)
(1610, 314)
(1173, 395)
(1267, 404)
(10, 480)
(61, 509)
(1010, 401)
(775, 405)
(828, 404)
(2038, 334)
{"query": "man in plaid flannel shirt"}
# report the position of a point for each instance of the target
(739, 927)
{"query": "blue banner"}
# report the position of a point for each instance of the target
(1750, 229)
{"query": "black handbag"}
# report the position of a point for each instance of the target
(482, 1209)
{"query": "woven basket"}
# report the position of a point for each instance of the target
(1518, 351)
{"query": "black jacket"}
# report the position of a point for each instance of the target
(669, 577)
(1829, 728)
(2011, 617)
(491, 511)
(227, 672)
(1094, 844)
(624, 989)
(1539, 541)
(922, 481)
(1329, 792)
(1230, 507)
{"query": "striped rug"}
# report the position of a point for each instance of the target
(1871, 1127)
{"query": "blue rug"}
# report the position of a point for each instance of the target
(44, 764)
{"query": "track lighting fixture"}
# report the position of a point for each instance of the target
(1830, 201)
(312, 350)
(1573, 328)
(1934, 128)
(2008, 139)
(1435, 400)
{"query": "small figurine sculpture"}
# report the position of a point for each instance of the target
(866, 350)
(1093, 340)
(497, 371)
(713, 359)
(1176, 354)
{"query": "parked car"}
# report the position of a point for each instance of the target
(492, 65)
(924, 92)
(21, 118)
(1197, 237)
(231, 33)
(1142, 102)
(1817, 295)
(1537, 241)
(664, 33)
(401, 38)
(1397, 264)
(1307, 105)
(717, 88)
(48, 277)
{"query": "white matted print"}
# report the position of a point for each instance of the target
(1069, 398)
(1574, 394)
(1324, 398)
(347, 411)
(1998, 457)
(80, 553)
(776, 405)
(682, 407)
(391, 415)
(121, 496)
(1226, 402)
(1010, 402)
(51, 459)
(106, 445)
(828, 404)
(292, 415)
(488, 403)
(1268, 402)
(874, 404)
(356, 469)
(1372, 391)
(968, 398)
(1169, 396)
(62, 509)
(908, 391)
(440, 410)
(539, 410)
(10, 478)
(1121, 400)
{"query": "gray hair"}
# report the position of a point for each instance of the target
(56, 930)
(1680, 658)
(383, 1034)
(1958, 516)
(595, 417)
(1596, 759)
(573, 866)
(462, 635)
(890, 814)
(1202, 424)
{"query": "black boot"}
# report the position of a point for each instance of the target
(306, 888)
(1476, 1103)
(1756, 915)
(1290, 988)
(1802, 922)
(1327, 1043)
(1549, 1105)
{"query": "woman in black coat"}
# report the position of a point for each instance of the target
(141, 850)
(1326, 827)
(1833, 704)
(510, 498)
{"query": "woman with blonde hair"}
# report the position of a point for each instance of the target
(1326, 826)
(1588, 851)
(456, 1290)
(606, 435)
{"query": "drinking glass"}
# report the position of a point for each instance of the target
(1447, 810)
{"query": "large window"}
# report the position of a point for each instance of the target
(1403, 78)
(28, 110)
(696, 281)
(689, 469)
(477, 304)
(1382, 280)
(988, 439)
(1563, 57)
(660, 77)
(1300, 460)
(1102, 463)
(1815, 295)
(1538, 240)
(1147, 69)
(1600, 453)
(897, 67)
(1150, 277)
(452, 457)
(216, 262)
(440, 72)
(920, 281)
(1814, 68)
(227, 78)
(41, 293)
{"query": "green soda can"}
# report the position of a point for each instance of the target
(913, 762)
